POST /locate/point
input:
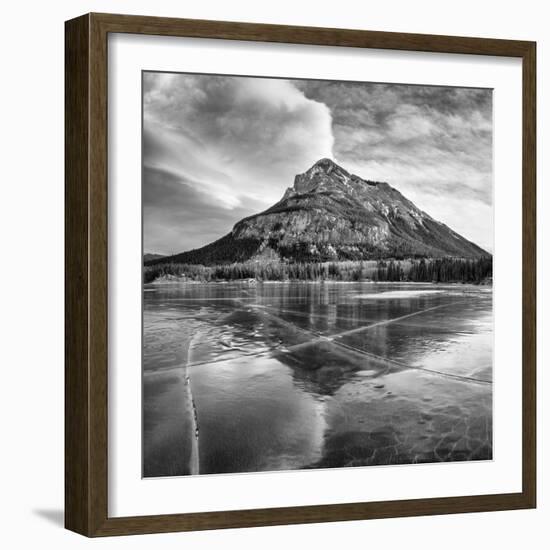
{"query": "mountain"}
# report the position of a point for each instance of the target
(330, 215)
(149, 256)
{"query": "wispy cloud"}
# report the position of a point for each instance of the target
(180, 211)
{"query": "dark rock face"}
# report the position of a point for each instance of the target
(330, 215)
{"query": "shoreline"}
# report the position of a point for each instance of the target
(254, 282)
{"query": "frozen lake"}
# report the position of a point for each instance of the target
(243, 377)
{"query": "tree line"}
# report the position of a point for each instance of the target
(442, 270)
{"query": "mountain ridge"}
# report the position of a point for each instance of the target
(330, 214)
(149, 256)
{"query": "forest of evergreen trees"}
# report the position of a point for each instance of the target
(444, 270)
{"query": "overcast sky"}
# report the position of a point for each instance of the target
(217, 149)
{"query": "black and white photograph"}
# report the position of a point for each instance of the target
(317, 274)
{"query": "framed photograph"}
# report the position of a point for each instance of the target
(300, 274)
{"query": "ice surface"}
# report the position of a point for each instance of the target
(242, 378)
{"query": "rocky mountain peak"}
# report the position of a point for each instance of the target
(326, 165)
(319, 177)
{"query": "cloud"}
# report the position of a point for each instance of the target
(179, 216)
(253, 132)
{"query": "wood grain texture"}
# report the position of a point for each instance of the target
(86, 279)
(529, 275)
(77, 153)
(165, 26)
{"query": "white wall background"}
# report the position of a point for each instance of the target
(31, 247)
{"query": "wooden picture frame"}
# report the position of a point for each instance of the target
(86, 281)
